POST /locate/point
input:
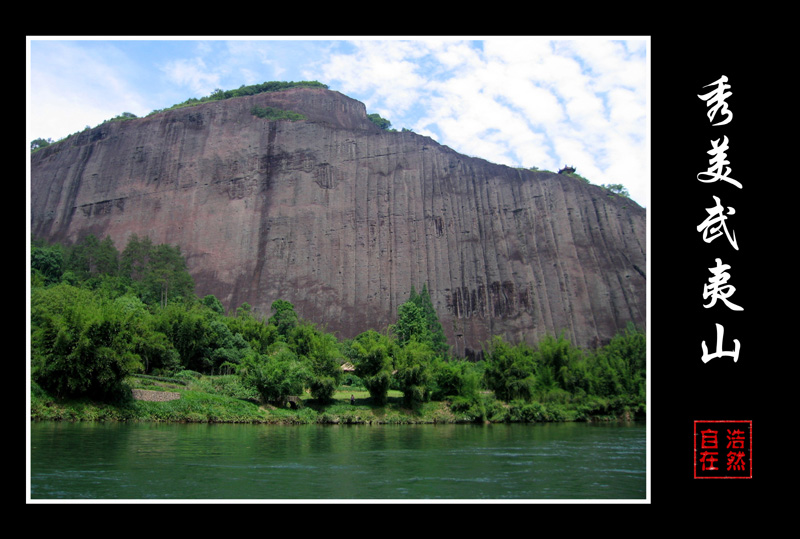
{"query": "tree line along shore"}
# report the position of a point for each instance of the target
(105, 322)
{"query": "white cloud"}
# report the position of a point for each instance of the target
(516, 101)
(529, 102)
(384, 71)
(193, 74)
(72, 87)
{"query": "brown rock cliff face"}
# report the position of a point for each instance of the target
(341, 219)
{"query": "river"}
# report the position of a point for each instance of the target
(152, 461)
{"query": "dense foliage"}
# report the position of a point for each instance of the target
(617, 189)
(273, 86)
(253, 89)
(83, 344)
(383, 123)
(272, 113)
(99, 315)
(40, 143)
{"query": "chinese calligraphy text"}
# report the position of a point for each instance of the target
(723, 449)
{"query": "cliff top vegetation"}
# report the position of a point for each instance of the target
(242, 91)
(217, 95)
(277, 86)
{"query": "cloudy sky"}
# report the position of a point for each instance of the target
(519, 101)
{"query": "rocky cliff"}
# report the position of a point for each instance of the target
(342, 218)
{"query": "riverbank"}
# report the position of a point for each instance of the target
(221, 399)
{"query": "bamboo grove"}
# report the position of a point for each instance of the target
(99, 315)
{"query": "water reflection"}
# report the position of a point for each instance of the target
(224, 461)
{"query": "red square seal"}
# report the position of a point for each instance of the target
(723, 449)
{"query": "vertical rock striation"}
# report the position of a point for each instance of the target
(342, 219)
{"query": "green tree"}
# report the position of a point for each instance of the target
(167, 277)
(510, 370)
(456, 378)
(153, 347)
(436, 336)
(277, 375)
(40, 143)
(414, 374)
(618, 189)
(383, 123)
(106, 257)
(322, 353)
(81, 346)
(245, 310)
(136, 257)
(625, 360)
(417, 318)
(555, 360)
(122, 117)
(158, 272)
(213, 303)
(459, 382)
(259, 335)
(410, 324)
(187, 329)
(284, 318)
(224, 348)
(47, 262)
(91, 257)
(370, 353)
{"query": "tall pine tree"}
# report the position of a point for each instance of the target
(434, 334)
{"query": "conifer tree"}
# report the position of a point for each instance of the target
(434, 333)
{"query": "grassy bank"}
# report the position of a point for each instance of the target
(222, 399)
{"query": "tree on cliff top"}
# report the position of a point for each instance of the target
(617, 189)
(383, 123)
(219, 94)
(40, 143)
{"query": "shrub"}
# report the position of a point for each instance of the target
(277, 376)
(521, 411)
(352, 381)
(370, 353)
(383, 123)
(82, 345)
(469, 408)
(509, 371)
(323, 388)
(414, 376)
(272, 113)
(617, 189)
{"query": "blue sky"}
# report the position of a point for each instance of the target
(519, 101)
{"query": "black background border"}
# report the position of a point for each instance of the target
(683, 388)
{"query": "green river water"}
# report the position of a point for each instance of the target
(150, 461)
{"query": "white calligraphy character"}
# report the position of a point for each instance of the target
(714, 224)
(717, 287)
(717, 169)
(716, 100)
(720, 352)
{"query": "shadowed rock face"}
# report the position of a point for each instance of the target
(341, 219)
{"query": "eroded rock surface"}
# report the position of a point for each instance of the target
(341, 219)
